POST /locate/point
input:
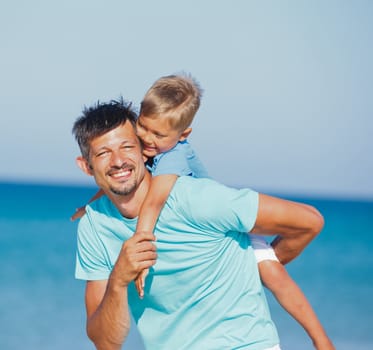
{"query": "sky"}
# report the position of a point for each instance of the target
(288, 85)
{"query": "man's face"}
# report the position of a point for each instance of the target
(116, 160)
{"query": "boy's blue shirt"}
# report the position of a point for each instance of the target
(180, 160)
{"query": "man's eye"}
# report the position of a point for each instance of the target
(102, 154)
(159, 136)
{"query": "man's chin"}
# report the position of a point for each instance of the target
(122, 191)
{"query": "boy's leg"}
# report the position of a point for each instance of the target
(275, 277)
(262, 249)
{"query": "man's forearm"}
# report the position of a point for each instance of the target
(108, 327)
(108, 318)
(296, 224)
(287, 249)
(288, 245)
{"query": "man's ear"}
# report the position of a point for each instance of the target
(84, 165)
(184, 135)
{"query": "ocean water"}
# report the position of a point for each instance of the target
(42, 305)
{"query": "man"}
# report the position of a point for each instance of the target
(203, 290)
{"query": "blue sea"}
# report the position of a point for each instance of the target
(42, 305)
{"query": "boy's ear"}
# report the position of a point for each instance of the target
(83, 164)
(184, 135)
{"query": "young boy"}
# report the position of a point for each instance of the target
(163, 126)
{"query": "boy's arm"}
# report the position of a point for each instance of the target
(275, 277)
(155, 199)
(296, 224)
(160, 188)
(81, 211)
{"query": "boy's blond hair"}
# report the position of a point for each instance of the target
(175, 97)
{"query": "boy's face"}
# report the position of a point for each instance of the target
(157, 135)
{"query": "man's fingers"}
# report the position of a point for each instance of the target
(140, 242)
(140, 256)
(145, 247)
(146, 258)
(138, 253)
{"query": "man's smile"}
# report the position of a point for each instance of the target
(120, 173)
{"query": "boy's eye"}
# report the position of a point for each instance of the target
(139, 125)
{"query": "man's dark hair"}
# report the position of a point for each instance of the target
(99, 119)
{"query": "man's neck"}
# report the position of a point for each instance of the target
(129, 206)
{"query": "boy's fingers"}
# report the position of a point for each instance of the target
(139, 289)
(79, 212)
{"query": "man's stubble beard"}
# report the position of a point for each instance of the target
(126, 188)
(125, 191)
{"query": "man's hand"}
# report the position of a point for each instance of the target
(137, 253)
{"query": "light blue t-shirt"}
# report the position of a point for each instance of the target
(180, 160)
(204, 291)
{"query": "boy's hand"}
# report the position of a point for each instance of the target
(81, 211)
(78, 213)
(140, 279)
(140, 282)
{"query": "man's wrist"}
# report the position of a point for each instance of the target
(117, 284)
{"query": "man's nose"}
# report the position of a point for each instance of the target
(117, 159)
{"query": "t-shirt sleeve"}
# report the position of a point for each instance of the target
(173, 162)
(221, 208)
(90, 261)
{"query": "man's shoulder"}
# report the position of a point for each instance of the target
(189, 185)
(103, 219)
(101, 204)
(196, 182)
(100, 210)
(207, 188)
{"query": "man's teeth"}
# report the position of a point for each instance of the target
(121, 173)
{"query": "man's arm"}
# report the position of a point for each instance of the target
(108, 320)
(296, 224)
